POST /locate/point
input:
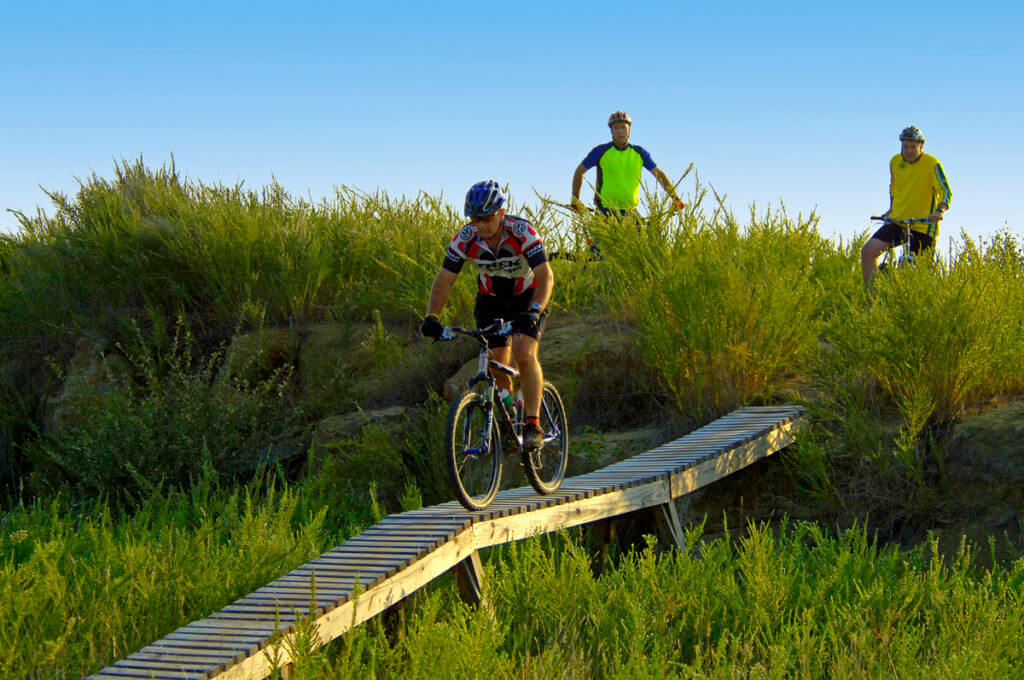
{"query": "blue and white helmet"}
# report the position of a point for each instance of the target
(484, 199)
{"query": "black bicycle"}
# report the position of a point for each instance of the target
(906, 255)
(478, 419)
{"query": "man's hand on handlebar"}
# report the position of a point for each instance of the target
(431, 327)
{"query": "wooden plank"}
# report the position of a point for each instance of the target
(192, 666)
(256, 627)
(207, 635)
(731, 461)
(224, 646)
(311, 586)
(602, 534)
(469, 577)
(194, 655)
(506, 530)
(362, 550)
(332, 567)
(121, 673)
(285, 616)
(670, 530)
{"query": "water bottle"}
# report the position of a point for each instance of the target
(506, 400)
(520, 408)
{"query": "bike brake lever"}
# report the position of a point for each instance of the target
(446, 334)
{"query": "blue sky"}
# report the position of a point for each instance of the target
(800, 102)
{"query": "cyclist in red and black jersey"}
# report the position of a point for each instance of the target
(515, 282)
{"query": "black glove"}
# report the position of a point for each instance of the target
(526, 321)
(431, 327)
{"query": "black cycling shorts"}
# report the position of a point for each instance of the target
(490, 308)
(894, 234)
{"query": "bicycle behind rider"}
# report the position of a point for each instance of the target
(917, 188)
(514, 282)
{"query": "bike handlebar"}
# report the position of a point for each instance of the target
(499, 327)
(909, 221)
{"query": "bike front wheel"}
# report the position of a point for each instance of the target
(473, 450)
(545, 467)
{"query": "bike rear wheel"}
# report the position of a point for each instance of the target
(474, 454)
(545, 468)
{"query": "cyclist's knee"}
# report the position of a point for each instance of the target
(873, 249)
(524, 348)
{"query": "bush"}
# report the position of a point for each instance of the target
(157, 431)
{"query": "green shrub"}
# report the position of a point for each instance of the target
(728, 316)
(157, 431)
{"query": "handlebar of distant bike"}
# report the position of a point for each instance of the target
(906, 222)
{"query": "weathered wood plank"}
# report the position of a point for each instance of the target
(469, 577)
(731, 461)
(164, 666)
(506, 530)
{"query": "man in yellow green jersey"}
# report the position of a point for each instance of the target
(619, 165)
(917, 189)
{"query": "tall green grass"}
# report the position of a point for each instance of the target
(83, 587)
(728, 314)
(926, 346)
(793, 603)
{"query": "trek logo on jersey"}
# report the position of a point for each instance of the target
(509, 267)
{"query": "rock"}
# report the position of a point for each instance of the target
(337, 428)
(88, 375)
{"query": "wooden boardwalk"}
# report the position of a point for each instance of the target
(376, 569)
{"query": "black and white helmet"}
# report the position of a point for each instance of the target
(911, 133)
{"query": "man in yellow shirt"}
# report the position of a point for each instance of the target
(917, 189)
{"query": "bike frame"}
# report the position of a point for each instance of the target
(486, 362)
(907, 255)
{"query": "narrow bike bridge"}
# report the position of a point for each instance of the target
(375, 570)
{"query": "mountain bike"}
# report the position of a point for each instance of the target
(478, 420)
(905, 256)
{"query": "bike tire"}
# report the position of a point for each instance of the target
(474, 459)
(545, 468)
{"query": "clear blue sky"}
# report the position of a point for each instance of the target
(801, 102)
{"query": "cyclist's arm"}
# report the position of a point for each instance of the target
(666, 183)
(941, 187)
(577, 181)
(889, 211)
(440, 291)
(544, 280)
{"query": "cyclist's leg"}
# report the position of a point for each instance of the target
(920, 242)
(526, 350)
(488, 309)
(879, 242)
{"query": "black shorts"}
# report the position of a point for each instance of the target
(894, 234)
(490, 308)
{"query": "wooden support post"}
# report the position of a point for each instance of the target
(602, 533)
(469, 575)
(670, 531)
(393, 621)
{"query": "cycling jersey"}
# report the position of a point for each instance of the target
(916, 189)
(508, 269)
(618, 174)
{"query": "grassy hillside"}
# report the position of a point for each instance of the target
(175, 359)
